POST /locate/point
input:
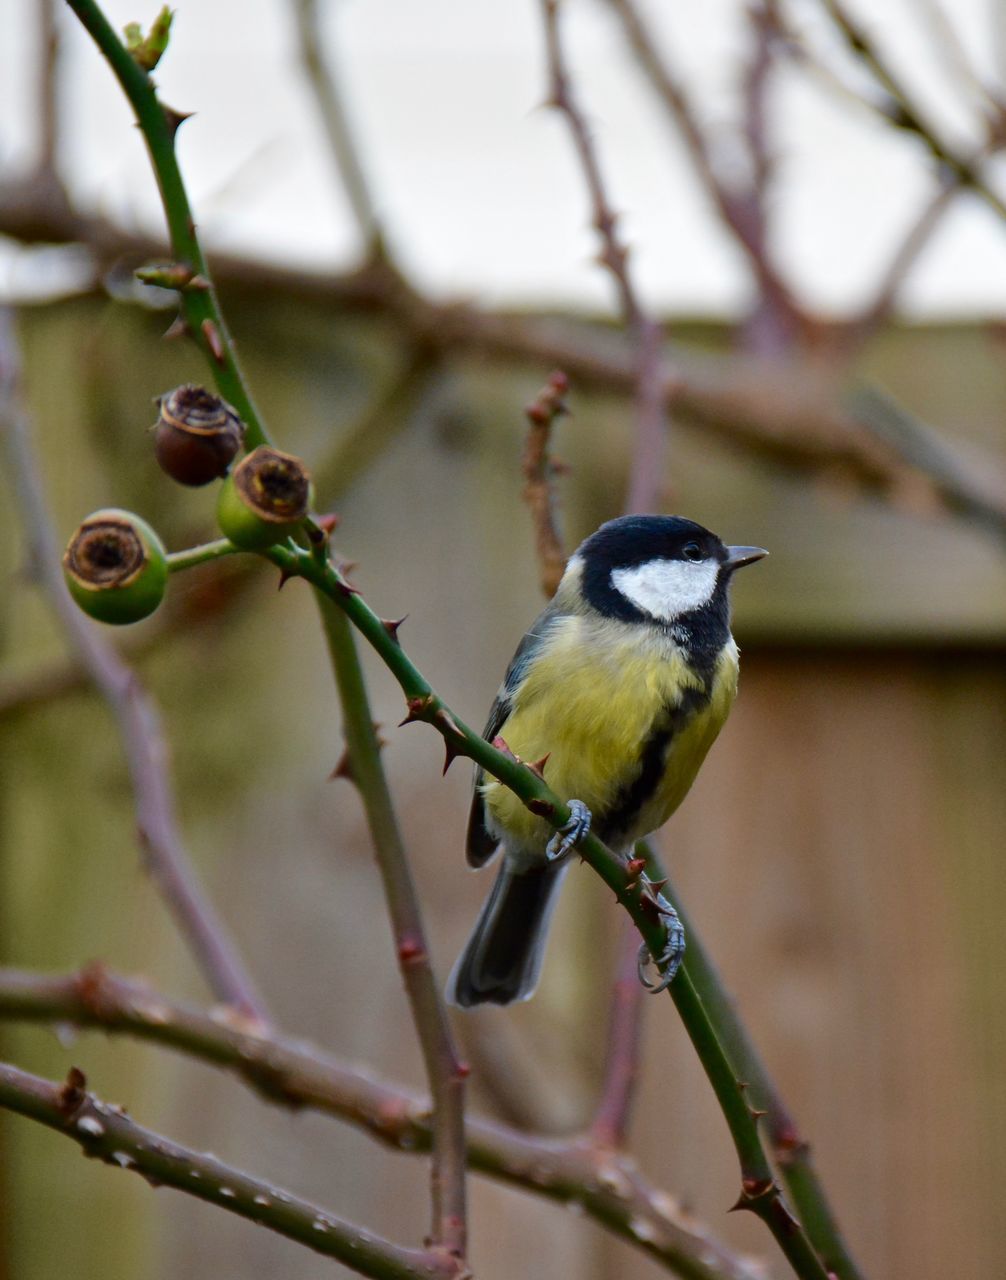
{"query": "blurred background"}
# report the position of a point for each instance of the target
(813, 196)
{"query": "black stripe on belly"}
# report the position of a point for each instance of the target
(652, 760)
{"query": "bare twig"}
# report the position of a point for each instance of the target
(610, 1125)
(790, 422)
(650, 407)
(740, 210)
(920, 232)
(292, 1073)
(334, 119)
(790, 1150)
(539, 470)
(47, 112)
(104, 1132)
(445, 1072)
(903, 111)
(135, 715)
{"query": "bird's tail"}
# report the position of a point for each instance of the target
(503, 958)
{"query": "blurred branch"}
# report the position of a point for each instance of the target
(649, 449)
(903, 111)
(292, 1073)
(136, 717)
(539, 470)
(742, 211)
(790, 1150)
(610, 1125)
(104, 1132)
(445, 1073)
(790, 421)
(334, 119)
(46, 111)
(917, 237)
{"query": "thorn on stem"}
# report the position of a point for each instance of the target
(178, 328)
(543, 808)
(72, 1094)
(343, 769)
(392, 627)
(537, 767)
(411, 950)
(419, 709)
(175, 119)
(213, 340)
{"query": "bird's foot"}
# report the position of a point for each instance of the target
(571, 834)
(669, 961)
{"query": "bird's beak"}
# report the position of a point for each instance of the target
(738, 557)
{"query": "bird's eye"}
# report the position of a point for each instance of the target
(692, 551)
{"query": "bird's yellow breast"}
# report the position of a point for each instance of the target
(592, 700)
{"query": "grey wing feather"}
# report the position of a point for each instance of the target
(480, 844)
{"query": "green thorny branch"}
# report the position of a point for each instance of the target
(203, 321)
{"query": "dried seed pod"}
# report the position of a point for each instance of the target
(116, 567)
(264, 499)
(197, 436)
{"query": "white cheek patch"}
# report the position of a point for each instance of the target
(665, 589)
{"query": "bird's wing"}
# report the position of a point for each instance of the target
(480, 844)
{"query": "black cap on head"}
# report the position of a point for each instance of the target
(633, 540)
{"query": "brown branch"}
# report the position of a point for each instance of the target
(135, 715)
(539, 470)
(739, 210)
(335, 123)
(291, 1073)
(792, 422)
(904, 113)
(918, 235)
(445, 1072)
(610, 1125)
(104, 1132)
(650, 406)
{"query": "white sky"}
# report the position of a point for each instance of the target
(477, 186)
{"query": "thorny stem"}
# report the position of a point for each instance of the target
(106, 1133)
(293, 1073)
(759, 1193)
(650, 409)
(135, 714)
(445, 1073)
(791, 1152)
(158, 124)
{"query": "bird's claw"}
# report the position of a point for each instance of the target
(570, 834)
(669, 961)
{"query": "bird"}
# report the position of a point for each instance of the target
(621, 685)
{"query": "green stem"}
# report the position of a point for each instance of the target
(200, 308)
(760, 1193)
(790, 1150)
(178, 561)
(445, 1072)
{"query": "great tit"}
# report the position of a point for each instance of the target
(623, 682)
